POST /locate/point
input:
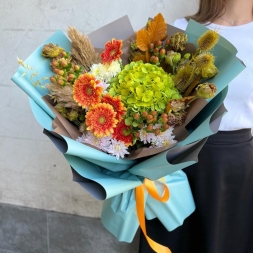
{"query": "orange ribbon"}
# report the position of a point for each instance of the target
(140, 204)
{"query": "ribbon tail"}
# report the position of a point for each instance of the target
(140, 203)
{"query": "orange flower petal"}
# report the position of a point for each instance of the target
(117, 105)
(123, 133)
(85, 90)
(112, 51)
(100, 120)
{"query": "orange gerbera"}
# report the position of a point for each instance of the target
(100, 120)
(123, 133)
(85, 90)
(117, 105)
(112, 51)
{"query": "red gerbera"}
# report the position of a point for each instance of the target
(85, 90)
(117, 105)
(112, 51)
(123, 133)
(100, 120)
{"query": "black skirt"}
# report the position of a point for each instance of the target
(222, 186)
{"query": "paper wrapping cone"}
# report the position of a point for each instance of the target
(107, 178)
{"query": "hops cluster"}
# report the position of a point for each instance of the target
(178, 41)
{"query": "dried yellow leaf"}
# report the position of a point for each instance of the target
(157, 28)
(142, 40)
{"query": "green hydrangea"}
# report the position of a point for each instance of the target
(144, 86)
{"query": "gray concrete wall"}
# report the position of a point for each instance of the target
(32, 172)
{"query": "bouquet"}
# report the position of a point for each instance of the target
(129, 113)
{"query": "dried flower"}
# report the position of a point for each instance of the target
(209, 71)
(208, 40)
(73, 115)
(176, 105)
(178, 41)
(82, 51)
(184, 77)
(50, 50)
(203, 61)
(206, 90)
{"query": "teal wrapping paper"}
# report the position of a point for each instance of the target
(119, 213)
(112, 180)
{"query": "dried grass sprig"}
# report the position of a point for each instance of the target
(64, 95)
(82, 51)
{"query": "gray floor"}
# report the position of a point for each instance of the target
(27, 230)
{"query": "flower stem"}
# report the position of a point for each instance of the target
(192, 86)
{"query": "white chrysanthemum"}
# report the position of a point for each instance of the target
(91, 139)
(105, 72)
(163, 139)
(96, 69)
(118, 149)
(157, 126)
(105, 143)
(145, 137)
(114, 68)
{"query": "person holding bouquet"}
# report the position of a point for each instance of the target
(222, 180)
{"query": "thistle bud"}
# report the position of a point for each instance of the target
(50, 50)
(206, 90)
(204, 60)
(208, 40)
